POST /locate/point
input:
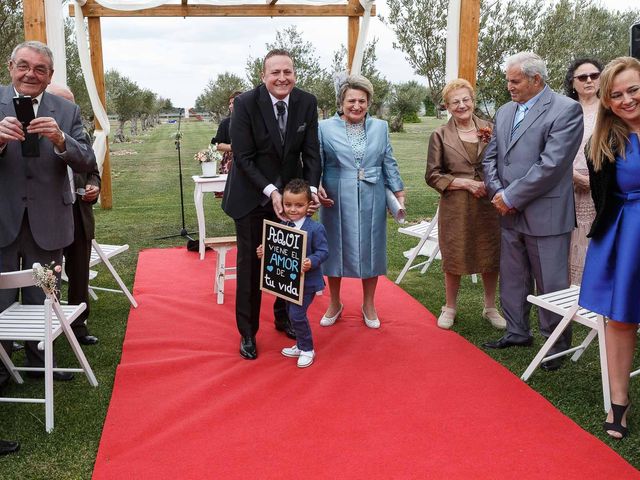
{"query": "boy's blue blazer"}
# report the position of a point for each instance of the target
(317, 252)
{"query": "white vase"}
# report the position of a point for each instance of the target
(209, 169)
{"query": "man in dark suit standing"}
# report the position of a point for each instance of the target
(528, 175)
(36, 216)
(274, 133)
(78, 254)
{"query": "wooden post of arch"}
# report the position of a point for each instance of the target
(97, 66)
(35, 26)
(353, 29)
(468, 46)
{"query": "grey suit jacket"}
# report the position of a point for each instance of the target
(40, 184)
(535, 166)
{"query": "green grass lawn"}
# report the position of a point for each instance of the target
(146, 206)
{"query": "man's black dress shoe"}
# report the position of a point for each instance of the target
(7, 447)
(57, 376)
(248, 348)
(287, 329)
(551, 365)
(87, 340)
(505, 343)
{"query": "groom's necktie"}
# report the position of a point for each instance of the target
(522, 111)
(282, 121)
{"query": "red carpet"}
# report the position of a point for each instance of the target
(407, 401)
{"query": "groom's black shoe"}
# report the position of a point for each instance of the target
(248, 348)
(286, 328)
(551, 365)
(506, 343)
(7, 447)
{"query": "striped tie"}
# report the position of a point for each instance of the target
(522, 111)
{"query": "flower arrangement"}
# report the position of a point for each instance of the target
(484, 134)
(46, 278)
(211, 154)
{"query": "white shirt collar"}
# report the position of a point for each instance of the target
(275, 100)
(298, 223)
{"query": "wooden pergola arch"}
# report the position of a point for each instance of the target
(35, 29)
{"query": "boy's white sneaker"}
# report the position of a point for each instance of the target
(305, 359)
(291, 351)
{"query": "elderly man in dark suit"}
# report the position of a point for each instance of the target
(274, 132)
(36, 215)
(528, 174)
(78, 254)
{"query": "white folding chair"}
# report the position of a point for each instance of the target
(428, 245)
(43, 324)
(102, 253)
(565, 303)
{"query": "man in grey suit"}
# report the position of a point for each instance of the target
(528, 174)
(36, 215)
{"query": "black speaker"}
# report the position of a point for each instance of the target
(634, 44)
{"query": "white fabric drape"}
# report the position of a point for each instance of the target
(453, 41)
(55, 39)
(356, 65)
(99, 111)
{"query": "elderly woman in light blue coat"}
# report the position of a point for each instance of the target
(358, 165)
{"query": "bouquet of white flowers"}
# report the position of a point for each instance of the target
(211, 154)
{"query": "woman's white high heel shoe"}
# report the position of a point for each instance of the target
(370, 322)
(328, 321)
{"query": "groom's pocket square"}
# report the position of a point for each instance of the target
(302, 128)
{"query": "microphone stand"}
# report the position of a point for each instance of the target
(178, 138)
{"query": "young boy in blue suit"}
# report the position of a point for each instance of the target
(295, 200)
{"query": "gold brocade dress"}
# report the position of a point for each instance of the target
(468, 228)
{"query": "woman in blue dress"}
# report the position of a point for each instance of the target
(611, 279)
(358, 165)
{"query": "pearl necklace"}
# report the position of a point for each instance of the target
(466, 131)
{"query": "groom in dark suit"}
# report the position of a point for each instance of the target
(274, 133)
(36, 215)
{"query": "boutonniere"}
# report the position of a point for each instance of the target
(484, 134)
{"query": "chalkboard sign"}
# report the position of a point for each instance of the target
(284, 250)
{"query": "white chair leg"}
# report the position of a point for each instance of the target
(604, 367)
(431, 259)
(48, 367)
(553, 338)
(585, 343)
(222, 262)
(114, 274)
(11, 368)
(77, 350)
(411, 258)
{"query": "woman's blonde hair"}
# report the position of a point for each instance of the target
(610, 133)
(455, 84)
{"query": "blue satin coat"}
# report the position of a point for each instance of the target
(357, 223)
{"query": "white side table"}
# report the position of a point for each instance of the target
(203, 185)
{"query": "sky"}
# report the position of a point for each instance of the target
(176, 57)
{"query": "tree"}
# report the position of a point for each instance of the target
(506, 27)
(406, 100)
(421, 28)
(122, 100)
(309, 75)
(215, 98)
(11, 26)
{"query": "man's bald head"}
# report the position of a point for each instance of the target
(61, 91)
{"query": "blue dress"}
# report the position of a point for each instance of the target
(611, 279)
(357, 165)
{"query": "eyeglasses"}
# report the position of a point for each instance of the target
(586, 76)
(465, 100)
(38, 69)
